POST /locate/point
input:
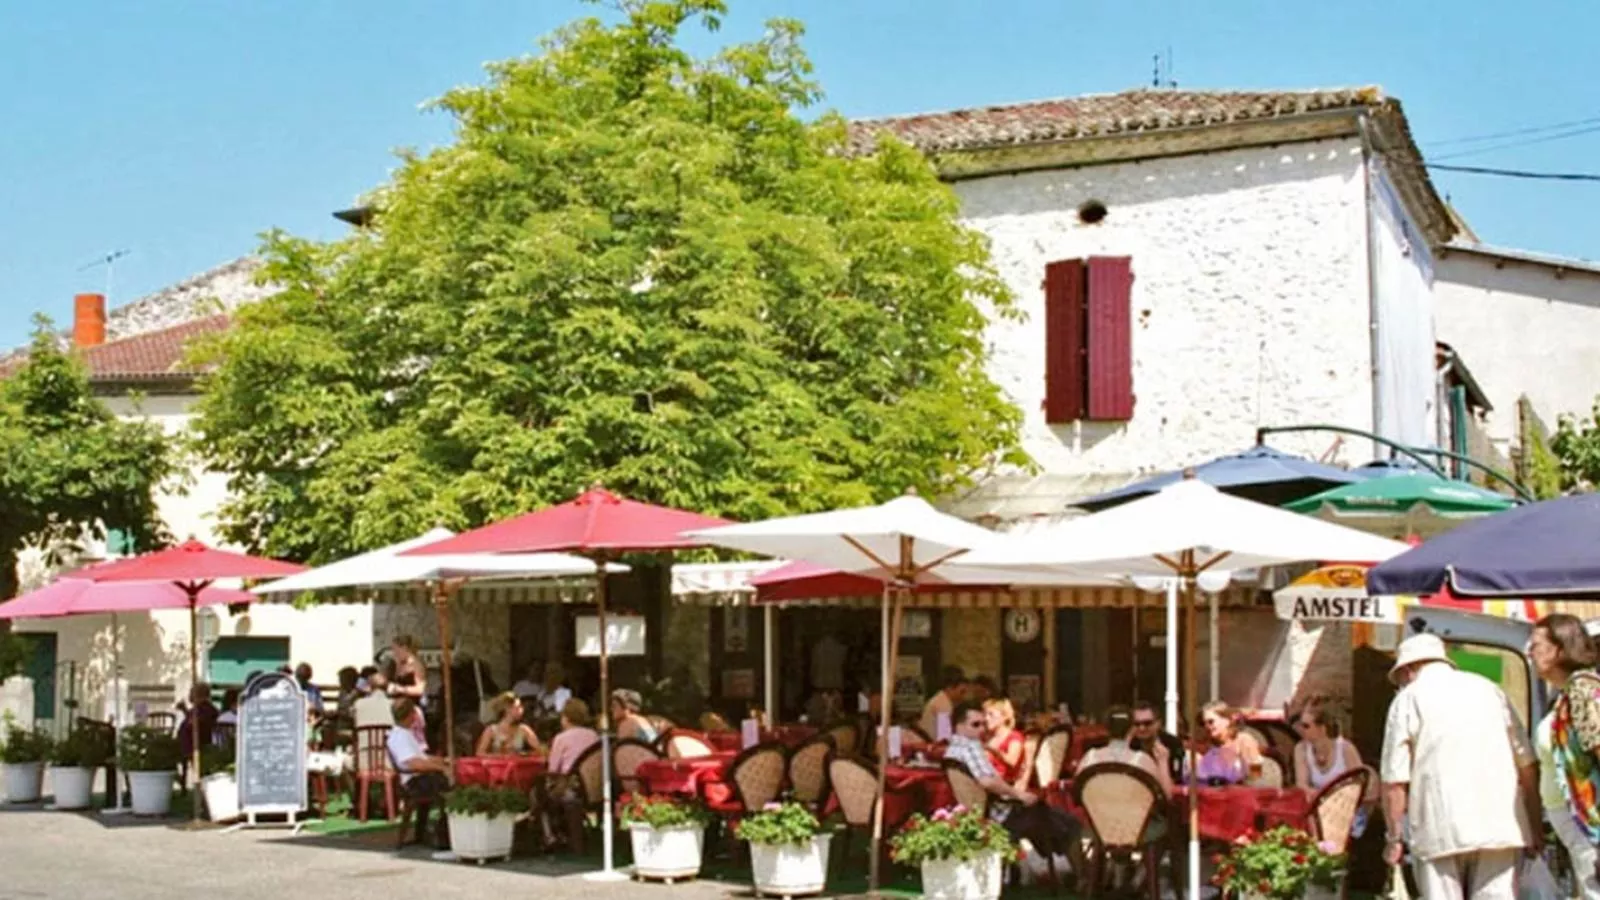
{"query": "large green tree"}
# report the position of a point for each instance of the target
(631, 265)
(67, 465)
(1576, 448)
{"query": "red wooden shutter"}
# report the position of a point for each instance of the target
(1063, 341)
(1110, 338)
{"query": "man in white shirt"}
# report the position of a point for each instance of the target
(423, 777)
(1458, 770)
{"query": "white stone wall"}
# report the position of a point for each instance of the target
(1250, 298)
(1402, 288)
(1522, 328)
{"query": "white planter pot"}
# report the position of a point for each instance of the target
(222, 797)
(790, 870)
(481, 838)
(1311, 893)
(72, 786)
(979, 878)
(152, 792)
(667, 853)
(24, 782)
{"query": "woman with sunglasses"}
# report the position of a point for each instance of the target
(1322, 754)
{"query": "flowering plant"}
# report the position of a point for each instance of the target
(662, 811)
(486, 800)
(951, 834)
(779, 823)
(1277, 865)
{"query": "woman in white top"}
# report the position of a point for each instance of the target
(1322, 755)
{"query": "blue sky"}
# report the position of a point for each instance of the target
(180, 130)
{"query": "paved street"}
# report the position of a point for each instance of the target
(46, 854)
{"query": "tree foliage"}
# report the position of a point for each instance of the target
(67, 465)
(1576, 446)
(631, 265)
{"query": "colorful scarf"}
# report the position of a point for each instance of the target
(1580, 771)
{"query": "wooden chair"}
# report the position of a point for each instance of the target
(166, 722)
(589, 769)
(808, 772)
(682, 744)
(626, 755)
(1051, 757)
(856, 785)
(1119, 803)
(108, 739)
(968, 792)
(373, 768)
(1334, 809)
(757, 778)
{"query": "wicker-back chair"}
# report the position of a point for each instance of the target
(966, 789)
(683, 744)
(1271, 773)
(626, 755)
(1051, 757)
(710, 721)
(589, 767)
(1334, 808)
(846, 738)
(1119, 803)
(808, 771)
(757, 777)
(856, 785)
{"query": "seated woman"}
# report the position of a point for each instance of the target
(1005, 743)
(1323, 755)
(507, 735)
(1119, 724)
(560, 792)
(1233, 756)
(626, 719)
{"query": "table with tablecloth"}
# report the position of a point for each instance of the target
(687, 776)
(519, 772)
(790, 736)
(1226, 813)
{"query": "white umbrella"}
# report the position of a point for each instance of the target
(1185, 530)
(904, 542)
(444, 573)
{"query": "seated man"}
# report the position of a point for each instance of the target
(1119, 723)
(1019, 811)
(423, 777)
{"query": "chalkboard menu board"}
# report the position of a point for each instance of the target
(271, 767)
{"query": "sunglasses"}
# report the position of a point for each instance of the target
(1144, 723)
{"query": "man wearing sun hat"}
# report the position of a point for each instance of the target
(1459, 774)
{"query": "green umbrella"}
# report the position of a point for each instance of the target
(1404, 504)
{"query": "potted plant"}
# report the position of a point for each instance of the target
(668, 835)
(482, 820)
(962, 853)
(22, 762)
(1282, 864)
(217, 782)
(150, 757)
(788, 851)
(72, 765)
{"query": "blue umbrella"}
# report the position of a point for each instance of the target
(1261, 474)
(1548, 549)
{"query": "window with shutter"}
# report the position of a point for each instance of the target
(1088, 340)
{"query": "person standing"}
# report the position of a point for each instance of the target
(1567, 739)
(1458, 773)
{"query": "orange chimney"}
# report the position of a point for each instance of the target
(89, 320)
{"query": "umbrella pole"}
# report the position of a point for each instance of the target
(114, 785)
(1214, 651)
(441, 607)
(1189, 689)
(769, 683)
(893, 596)
(193, 590)
(609, 871)
(1174, 719)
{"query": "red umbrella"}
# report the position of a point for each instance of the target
(73, 595)
(599, 525)
(191, 567)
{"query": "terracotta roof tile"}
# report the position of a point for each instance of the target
(1098, 115)
(154, 354)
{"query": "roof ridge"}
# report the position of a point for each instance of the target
(156, 333)
(1376, 92)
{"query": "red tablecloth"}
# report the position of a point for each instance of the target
(516, 771)
(684, 776)
(927, 784)
(1225, 812)
(789, 735)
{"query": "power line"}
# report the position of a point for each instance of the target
(1515, 173)
(1515, 132)
(1507, 145)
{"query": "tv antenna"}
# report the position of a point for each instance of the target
(1161, 71)
(110, 262)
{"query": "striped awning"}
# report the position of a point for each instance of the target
(543, 591)
(1031, 598)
